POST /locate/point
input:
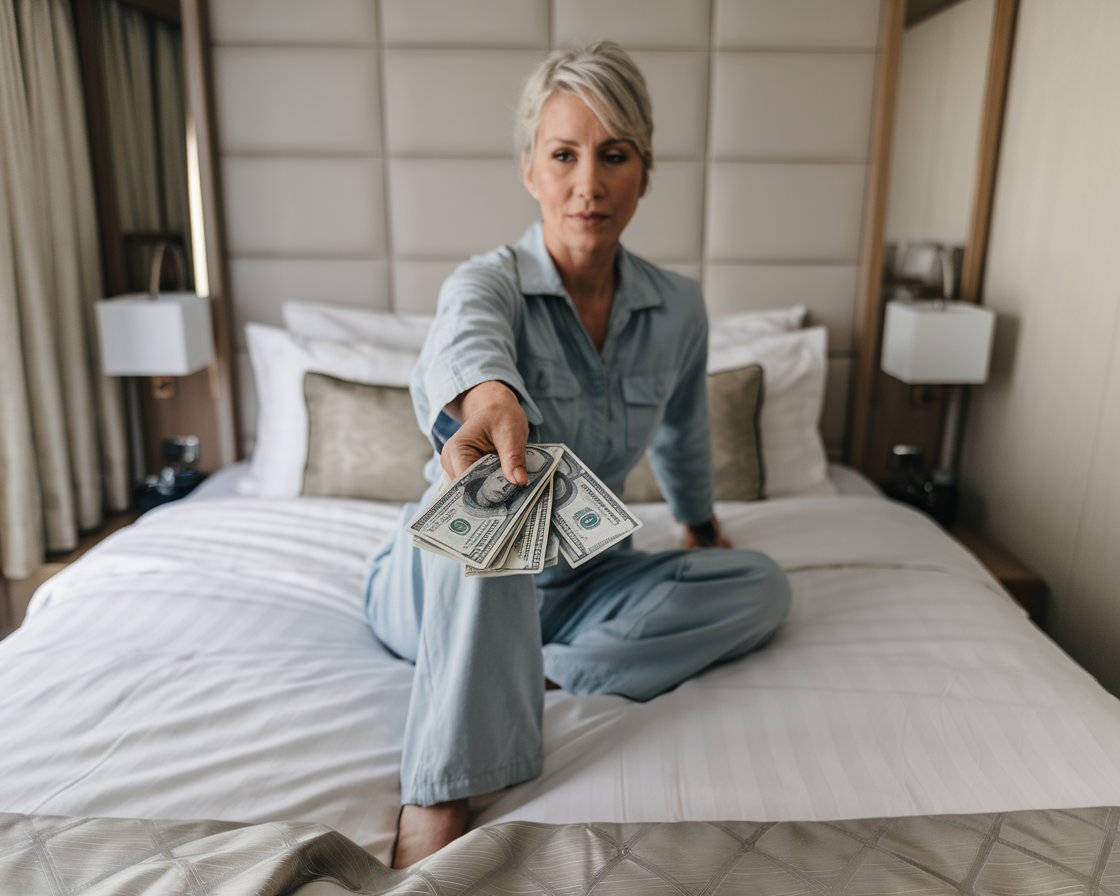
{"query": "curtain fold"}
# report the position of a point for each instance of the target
(58, 412)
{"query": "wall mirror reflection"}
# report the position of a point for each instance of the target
(138, 44)
(944, 83)
(938, 116)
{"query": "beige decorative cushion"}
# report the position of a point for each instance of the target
(363, 441)
(734, 403)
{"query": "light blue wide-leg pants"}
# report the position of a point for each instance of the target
(626, 623)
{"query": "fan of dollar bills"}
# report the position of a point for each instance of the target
(498, 528)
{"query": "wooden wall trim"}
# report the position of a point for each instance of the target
(204, 175)
(891, 21)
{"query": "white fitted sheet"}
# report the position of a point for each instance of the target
(213, 661)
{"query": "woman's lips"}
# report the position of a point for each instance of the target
(589, 217)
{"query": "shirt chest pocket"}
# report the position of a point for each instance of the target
(552, 381)
(645, 396)
(554, 389)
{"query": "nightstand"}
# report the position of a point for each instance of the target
(1022, 583)
(17, 593)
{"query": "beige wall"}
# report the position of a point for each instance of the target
(1042, 442)
(366, 148)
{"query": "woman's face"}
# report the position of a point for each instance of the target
(587, 182)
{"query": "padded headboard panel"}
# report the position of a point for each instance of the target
(366, 148)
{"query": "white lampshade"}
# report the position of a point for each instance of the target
(145, 336)
(937, 342)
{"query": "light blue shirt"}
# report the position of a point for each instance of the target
(507, 316)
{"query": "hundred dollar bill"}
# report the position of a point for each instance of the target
(552, 553)
(530, 546)
(587, 517)
(476, 518)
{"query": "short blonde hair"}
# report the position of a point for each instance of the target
(603, 76)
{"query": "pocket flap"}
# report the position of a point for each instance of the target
(553, 382)
(648, 388)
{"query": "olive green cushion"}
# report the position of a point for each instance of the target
(734, 403)
(363, 441)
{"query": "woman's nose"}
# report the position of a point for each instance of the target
(589, 180)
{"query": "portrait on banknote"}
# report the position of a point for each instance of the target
(489, 492)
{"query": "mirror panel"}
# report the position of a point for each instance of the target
(885, 411)
(936, 140)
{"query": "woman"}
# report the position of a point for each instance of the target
(565, 337)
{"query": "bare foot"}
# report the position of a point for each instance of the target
(423, 830)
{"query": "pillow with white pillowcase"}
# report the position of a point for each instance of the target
(279, 360)
(342, 323)
(795, 366)
(742, 326)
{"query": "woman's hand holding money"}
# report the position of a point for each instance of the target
(493, 422)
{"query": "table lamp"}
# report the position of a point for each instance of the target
(153, 334)
(936, 343)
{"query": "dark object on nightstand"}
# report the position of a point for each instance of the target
(177, 479)
(935, 493)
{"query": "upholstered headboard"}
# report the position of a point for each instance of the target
(366, 148)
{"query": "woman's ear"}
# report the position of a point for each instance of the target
(527, 174)
(645, 182)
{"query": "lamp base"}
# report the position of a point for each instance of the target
(935, 494)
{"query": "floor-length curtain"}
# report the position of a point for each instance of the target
(63, 455)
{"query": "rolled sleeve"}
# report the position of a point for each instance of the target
(472, 341)
(681, 452)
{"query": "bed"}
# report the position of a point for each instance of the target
(198, 705)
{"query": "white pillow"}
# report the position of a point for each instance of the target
(735, 329)
(279, 361)
(794, 367)
(339, 323)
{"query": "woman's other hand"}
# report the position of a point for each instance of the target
(705, 535)
(493, 421)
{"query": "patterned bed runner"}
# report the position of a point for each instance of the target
(1035, 852)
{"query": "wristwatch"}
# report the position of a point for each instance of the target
(705, 534)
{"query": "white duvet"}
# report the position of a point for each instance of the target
(213, 661)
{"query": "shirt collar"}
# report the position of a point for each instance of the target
(538, 275)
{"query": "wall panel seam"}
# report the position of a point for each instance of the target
(291, 45)
(706, 174)
(744, 49)
(788, 160)
(420, 45)
(787, 262)
(303, 255)
(386, 199)
(299, 156)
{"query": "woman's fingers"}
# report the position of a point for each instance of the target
(493, 422)
(509, 442)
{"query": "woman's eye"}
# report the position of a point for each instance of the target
(616, 158)
(562, 156)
